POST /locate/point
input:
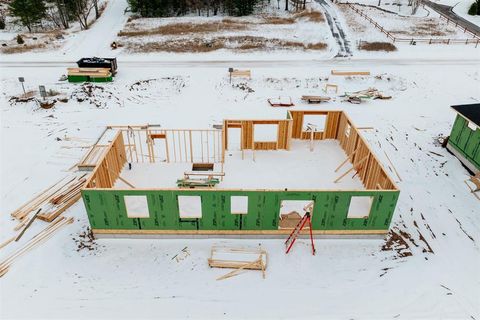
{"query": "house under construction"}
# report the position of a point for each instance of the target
(245, 177)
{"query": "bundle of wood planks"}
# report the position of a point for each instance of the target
(42, 236)
(91, 72)
(238, 258)
(53, 200)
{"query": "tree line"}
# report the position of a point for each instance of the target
(169, 8)
(33, 14)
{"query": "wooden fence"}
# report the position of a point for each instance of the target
(474, 40)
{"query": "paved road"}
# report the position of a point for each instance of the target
(337, 29)
(447, 11)
(354, 62)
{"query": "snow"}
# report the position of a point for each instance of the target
(346, 279)
(298, 168)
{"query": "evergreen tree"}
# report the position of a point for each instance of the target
(29, 12)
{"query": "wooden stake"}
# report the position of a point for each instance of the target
(28, 225)
(394, 169)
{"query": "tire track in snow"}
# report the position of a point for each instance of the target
(337, 29)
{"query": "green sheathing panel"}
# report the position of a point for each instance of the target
(106, 210)
(466, 141)
(457, 128)
(101, 79)
(77, 78)
(473, 144)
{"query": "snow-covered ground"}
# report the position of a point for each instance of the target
(436, 215)
(460, 7)
(345, 275)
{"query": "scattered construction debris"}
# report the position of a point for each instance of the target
(475, 181)
(281, 102)
(86, 240)
(238, 258)
(396, 242)
(184, 253)
(358, 96)
(393, 167)
(36, 240)
(54, 200)
(330, 86)
(315, 99)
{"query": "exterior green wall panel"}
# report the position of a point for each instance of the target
(106, 210)
(457, 128)
(466, 141)
(473, 144)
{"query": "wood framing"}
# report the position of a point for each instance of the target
(106, 206)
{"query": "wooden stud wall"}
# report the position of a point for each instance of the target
(147, 144)
(331, 124)
(108, 169)
(247, 134)
(368, 168)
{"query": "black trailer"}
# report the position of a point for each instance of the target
(96, 62)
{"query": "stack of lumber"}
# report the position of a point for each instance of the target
(54, 200)
(198, 182)
(281, 102)
(239, 259)
(315, 99)
(241, 73)
(42, 236)
(370, 93)
(89, 74)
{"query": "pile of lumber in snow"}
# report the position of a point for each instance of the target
(239, 259)
(370, 93)
(53, 200)
(281, 102)
(315, 99)
(91, 72)
(241, 73)
(42, 236)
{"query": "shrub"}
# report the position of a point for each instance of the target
(20, 39)
(473, 9)
(377, 46)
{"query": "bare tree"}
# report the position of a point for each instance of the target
(81, 10)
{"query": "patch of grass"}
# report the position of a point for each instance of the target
(377, 46)
(181, 46)
(185, 28)
(22, 48)
(241, 43)
(313, 16)
(316, 46)
(278, 20)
